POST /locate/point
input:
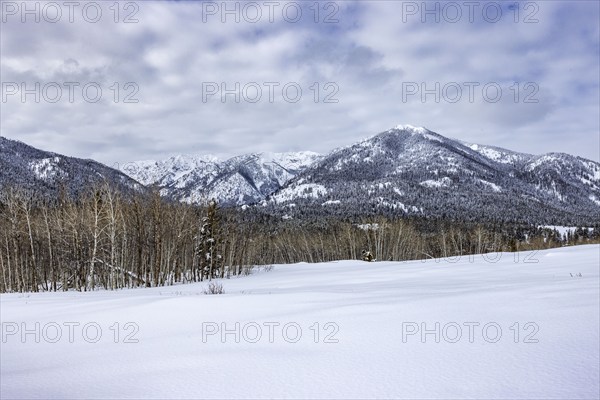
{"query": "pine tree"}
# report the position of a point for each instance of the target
(209, 259)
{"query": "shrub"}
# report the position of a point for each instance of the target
(214, 288)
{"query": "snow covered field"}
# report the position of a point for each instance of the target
(349, 329)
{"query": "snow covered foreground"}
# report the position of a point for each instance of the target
(361, 333)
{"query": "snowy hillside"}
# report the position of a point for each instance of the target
(522, 325)
(416, 171)
(236, 181)
(23, 166)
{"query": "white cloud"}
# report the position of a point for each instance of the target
(371, 54)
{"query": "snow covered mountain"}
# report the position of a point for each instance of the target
(25, 167)
(402, 171)
(237, 181)
(409, 170)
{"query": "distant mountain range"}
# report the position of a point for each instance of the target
(237, 181)
(402, 171)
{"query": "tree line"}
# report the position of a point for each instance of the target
(105, 238)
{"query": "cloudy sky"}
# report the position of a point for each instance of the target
(146, 80)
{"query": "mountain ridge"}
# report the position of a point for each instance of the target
(47, 173)
(235, 181)
(406, 170)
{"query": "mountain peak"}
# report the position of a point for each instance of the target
(414, 171)
(410, 128)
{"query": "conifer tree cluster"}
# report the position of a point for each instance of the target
(210, 261)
